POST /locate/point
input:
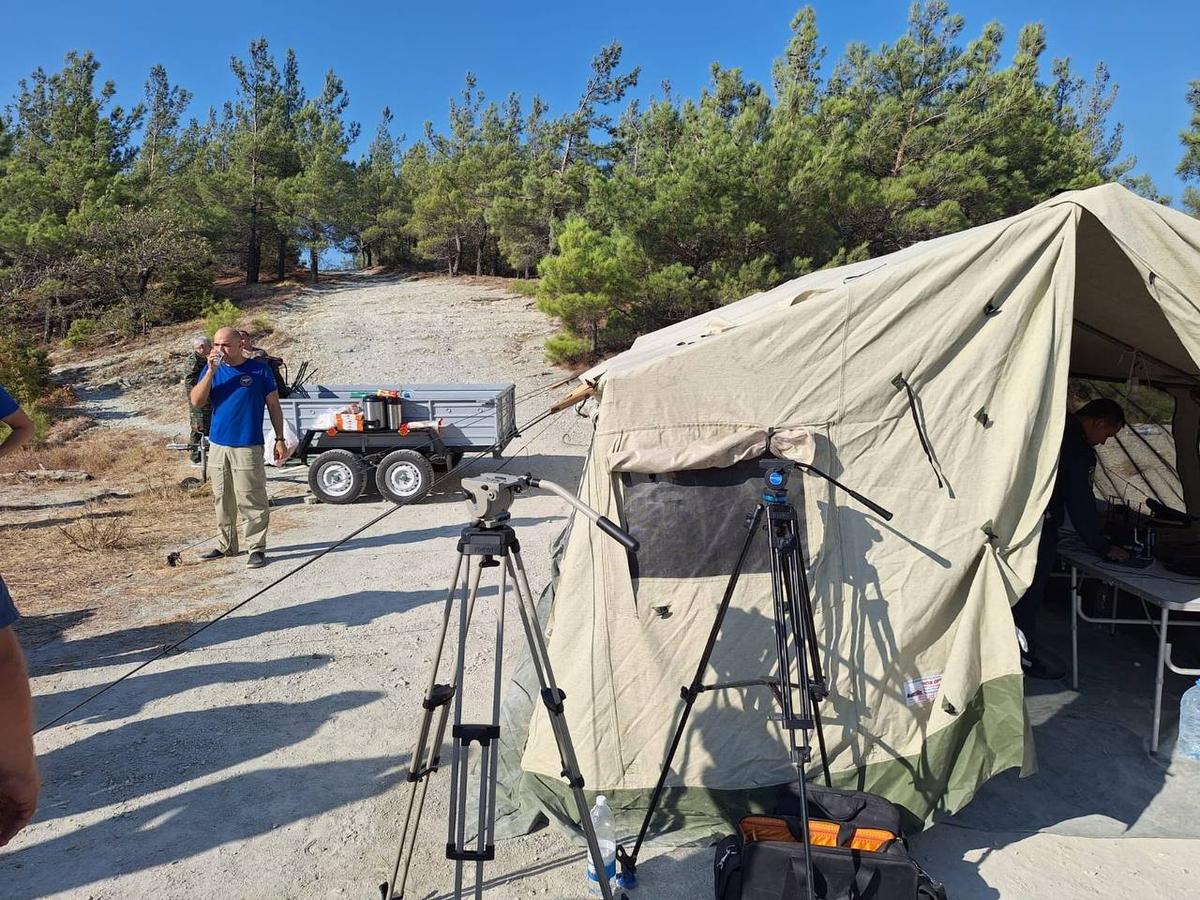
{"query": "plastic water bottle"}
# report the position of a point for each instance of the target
(1188, 745)
(606, 836)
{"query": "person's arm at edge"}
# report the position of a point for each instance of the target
(1081, 504)
(23, 430)
(199, 394)
(19, 782)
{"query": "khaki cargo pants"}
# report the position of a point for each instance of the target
(239, 486)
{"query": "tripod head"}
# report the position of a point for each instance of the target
(490, 495)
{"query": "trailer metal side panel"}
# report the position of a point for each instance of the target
(475, 416)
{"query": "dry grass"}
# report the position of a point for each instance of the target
(129, 457)
(102, 545)
(96, 530)
(114, 549)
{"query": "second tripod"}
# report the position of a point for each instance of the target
(799, 684)
(488, 543)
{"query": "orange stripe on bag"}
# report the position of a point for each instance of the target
(872, 839)
(765, 828)
(821, 833)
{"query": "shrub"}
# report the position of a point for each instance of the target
(25, 373)
(526, 286)
(81, 332)
(218, 314)
(260, 324)
(24, 368)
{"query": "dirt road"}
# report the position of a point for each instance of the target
(266, 760)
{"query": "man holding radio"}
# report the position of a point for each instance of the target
(240, 389)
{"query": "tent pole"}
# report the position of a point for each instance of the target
(1092, 329)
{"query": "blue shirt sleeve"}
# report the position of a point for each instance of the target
(8, 405)
(8, 611)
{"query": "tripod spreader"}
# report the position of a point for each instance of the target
(490, 495)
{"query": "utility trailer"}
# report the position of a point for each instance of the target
(474, 418)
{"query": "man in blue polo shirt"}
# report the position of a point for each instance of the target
(240, 390)
(19, 783)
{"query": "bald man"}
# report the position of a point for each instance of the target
(240, 389)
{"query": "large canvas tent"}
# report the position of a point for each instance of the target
(933, 380)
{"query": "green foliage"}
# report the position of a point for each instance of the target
(605, 290)
(81, 332)
(24, 368)
(636, 212)
(218, 314)
(525, 286)
(1189, 166)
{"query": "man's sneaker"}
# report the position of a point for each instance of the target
(1037, 668)
(215, 554)
(257, 560)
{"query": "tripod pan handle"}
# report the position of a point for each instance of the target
(618, 534)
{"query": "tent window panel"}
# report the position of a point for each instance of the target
(692, 524)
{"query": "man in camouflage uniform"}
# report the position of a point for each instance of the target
(201, 416)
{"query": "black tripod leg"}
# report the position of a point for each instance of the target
(460, 744)
(552, 697)
(689, 694)
(426, 755)
(788, 623)
(814, 655)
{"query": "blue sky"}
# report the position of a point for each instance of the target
(412, 56)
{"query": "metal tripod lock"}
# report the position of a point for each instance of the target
(798, 685)
(488, 543)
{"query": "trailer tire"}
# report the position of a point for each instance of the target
(336, 476)
(404, 476)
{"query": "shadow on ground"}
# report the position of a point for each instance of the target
(223, 813)
(134, 645)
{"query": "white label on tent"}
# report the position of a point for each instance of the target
(920, 691)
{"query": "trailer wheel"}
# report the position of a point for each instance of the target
(404, 476)
(336, 476)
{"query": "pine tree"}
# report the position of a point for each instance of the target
(256, 152)
(317, 197)
(1189, 166)
(165, 104)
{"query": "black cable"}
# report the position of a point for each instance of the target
(312, 559)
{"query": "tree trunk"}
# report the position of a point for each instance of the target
(367, 254)
(479, 259)
(281, 263)
(253, 254)
(46, 325)
(313, 259)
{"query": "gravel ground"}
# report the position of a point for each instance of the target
(267, 758)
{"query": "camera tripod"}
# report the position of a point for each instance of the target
(799, 696)
(489, 542)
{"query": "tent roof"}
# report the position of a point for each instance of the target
(1135, 236)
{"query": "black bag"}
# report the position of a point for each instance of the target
(773, 870)
(769, 869)
(855, 809)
